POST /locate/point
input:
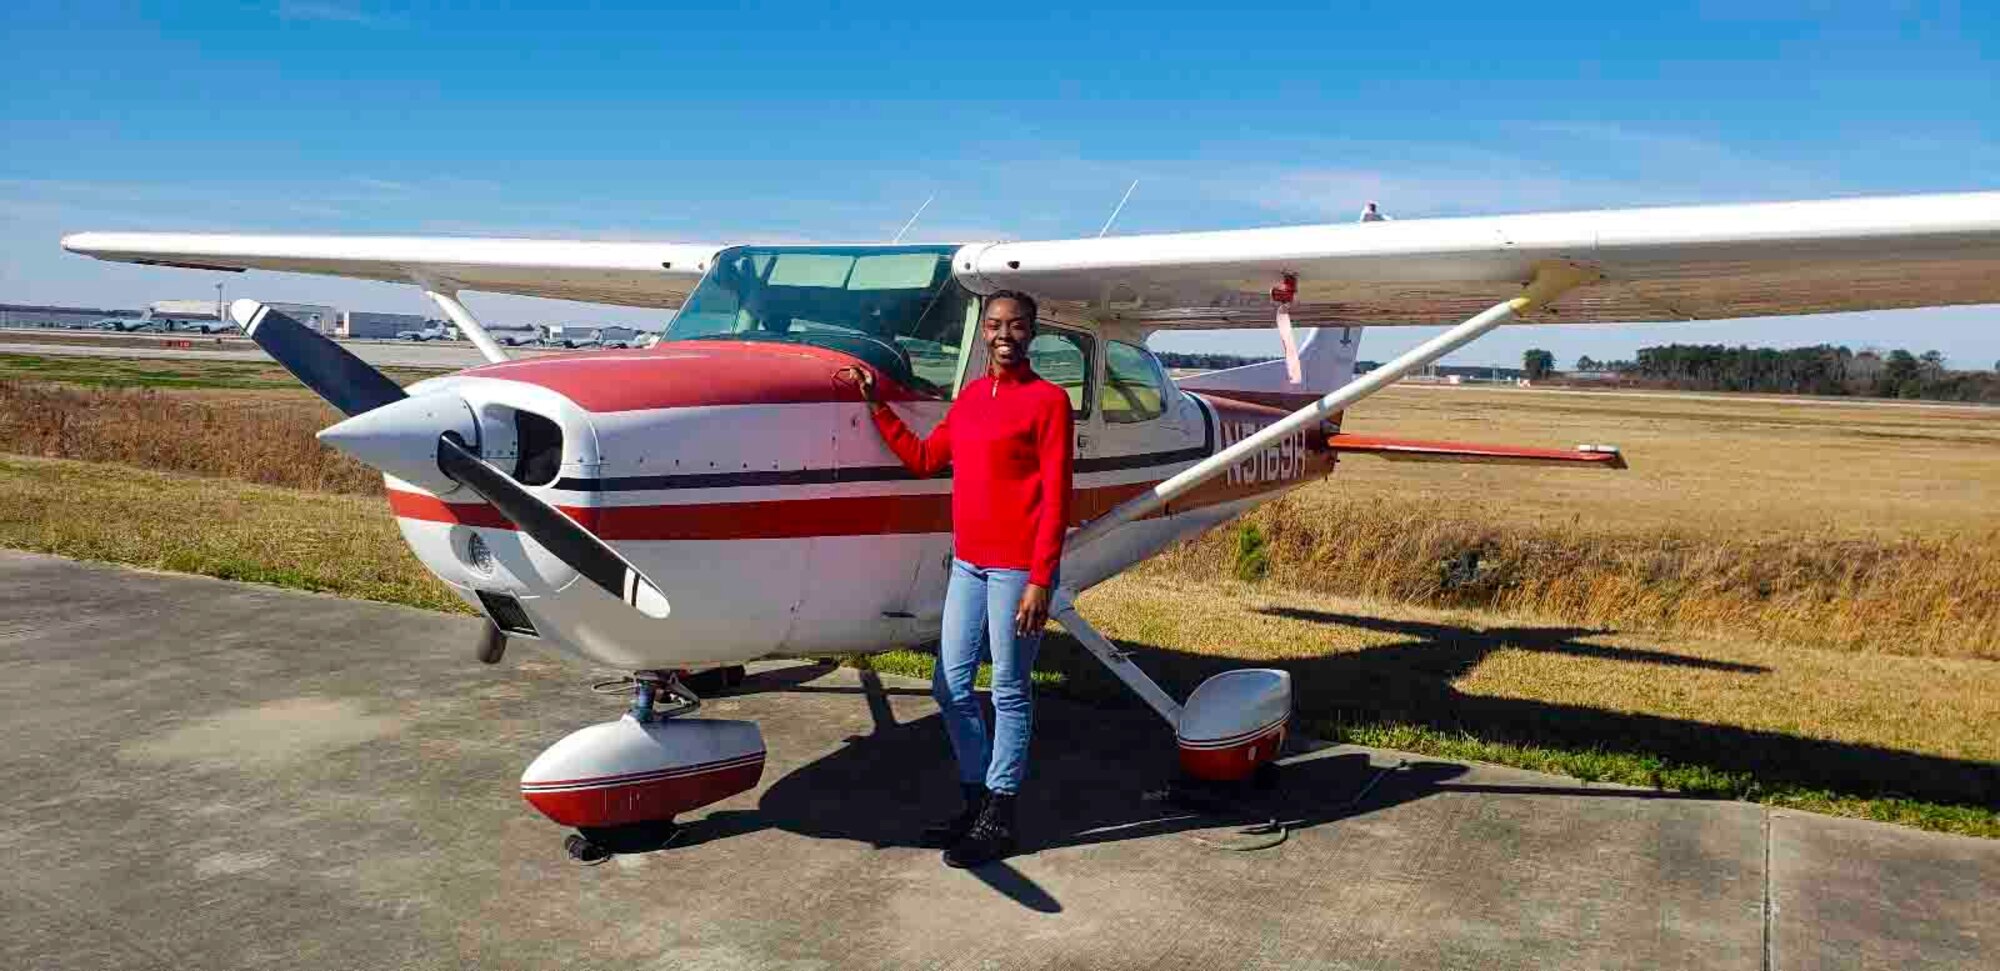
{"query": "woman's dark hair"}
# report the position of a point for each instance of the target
(1026, 302)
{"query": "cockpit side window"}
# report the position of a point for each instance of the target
(1062, 358)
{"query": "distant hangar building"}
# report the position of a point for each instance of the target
(38, 315)
(184, 309)
(320, 317)
(368, 325)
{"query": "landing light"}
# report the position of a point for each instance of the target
(478, 555)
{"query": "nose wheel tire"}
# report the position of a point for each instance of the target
(584, 851)
(491, 646)
(591, 845)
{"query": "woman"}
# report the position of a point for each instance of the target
(1007, 439)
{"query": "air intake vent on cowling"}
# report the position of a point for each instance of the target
(541, 449)
(507, 614)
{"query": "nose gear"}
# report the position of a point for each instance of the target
(620, 783)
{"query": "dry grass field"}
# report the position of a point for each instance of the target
(1854, 526)
(332, 543)
(254, 436)
(1797, 603)
(1709, 465)
(1825, 730)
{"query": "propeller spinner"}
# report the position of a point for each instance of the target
(417, 438)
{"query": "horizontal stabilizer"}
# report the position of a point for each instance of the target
(1412, 450)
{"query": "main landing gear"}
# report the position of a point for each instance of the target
(1229, 735)
(620, 783)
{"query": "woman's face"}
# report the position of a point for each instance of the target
(1007, 329)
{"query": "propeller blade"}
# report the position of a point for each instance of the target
(557, 533)
(345, 381)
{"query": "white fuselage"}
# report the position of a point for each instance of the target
(776, 526)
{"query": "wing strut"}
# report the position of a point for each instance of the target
(1551, 280)
(1118, 662)
(447, 300)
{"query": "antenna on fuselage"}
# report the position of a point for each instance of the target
(913, 218)
(1127, 197)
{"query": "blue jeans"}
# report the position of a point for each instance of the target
(979, 607)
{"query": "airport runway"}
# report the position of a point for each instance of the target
(213, 775)
(451, 356)
(439, 355)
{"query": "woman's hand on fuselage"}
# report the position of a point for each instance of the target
(1033, 613)
(864, 381)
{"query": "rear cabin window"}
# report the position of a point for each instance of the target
(1134, 391)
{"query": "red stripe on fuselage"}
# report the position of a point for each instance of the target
(766, 519)
(792, 518)
(1274, 469)
(411, 505)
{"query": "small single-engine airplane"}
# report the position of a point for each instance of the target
(722, 497)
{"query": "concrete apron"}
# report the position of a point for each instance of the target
(215, 775)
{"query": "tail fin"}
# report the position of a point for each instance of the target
(1326, 362)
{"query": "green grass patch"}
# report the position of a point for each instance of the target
(1653, 772)
(918, 664)
(97, 372)
(163, 373)
(1252, 559)
(337, 544)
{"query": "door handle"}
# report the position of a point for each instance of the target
(1082, 440)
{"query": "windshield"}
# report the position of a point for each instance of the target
(896, 307)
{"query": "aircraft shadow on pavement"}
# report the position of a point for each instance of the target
(1411, 680)
(1098, 768)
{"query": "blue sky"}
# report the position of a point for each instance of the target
(798, 122)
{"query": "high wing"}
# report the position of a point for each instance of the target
(1684, 263)
(627, 274)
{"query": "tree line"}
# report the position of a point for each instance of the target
(1822, 369)
(1206, 362)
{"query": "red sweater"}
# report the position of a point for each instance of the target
(1007, 440)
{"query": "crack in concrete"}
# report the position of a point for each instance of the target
(1770, 907)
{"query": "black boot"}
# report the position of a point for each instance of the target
(947, 832)
(991, 838)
